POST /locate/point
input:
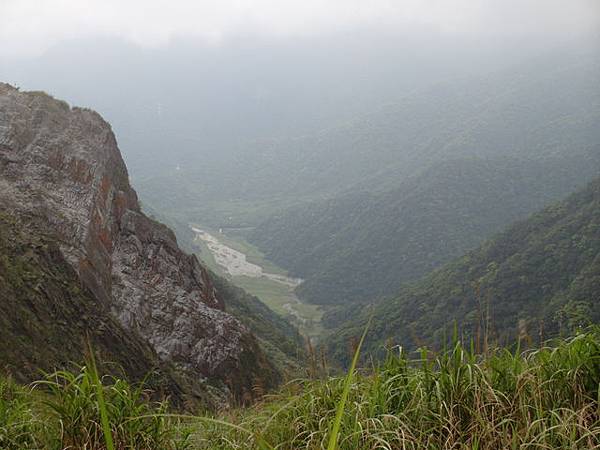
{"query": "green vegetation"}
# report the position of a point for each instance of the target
(19, 428)
(548, 398)
(282, 300)
(537, 279)
(345, 208)
(46, 315)
(273, 294)
(341, 404)
(278, 297)
(543, 398)
(88, 412)
(359, 211)
(278, 337)
(536, 110)
(80, 410)
(361, 246)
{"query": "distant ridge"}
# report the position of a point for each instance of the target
(539, 277)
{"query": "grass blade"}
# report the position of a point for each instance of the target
(101, 404)
(335, 429)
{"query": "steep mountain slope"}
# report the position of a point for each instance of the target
(281, 340)
(546, 107)
(62, 165)
(539, 276)
(362, 246)
(47, 317)
(46, 313)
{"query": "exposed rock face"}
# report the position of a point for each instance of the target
(64, 164)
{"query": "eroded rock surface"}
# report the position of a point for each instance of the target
(64, 164)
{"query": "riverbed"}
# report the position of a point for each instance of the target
(235, 264)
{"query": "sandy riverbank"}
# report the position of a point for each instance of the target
(235, 262)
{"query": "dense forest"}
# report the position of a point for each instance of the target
(420, 182)
(535, 280)
(362, 246)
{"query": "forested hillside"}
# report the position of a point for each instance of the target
(535, 279)
(279, 339)
(362, 246)
(545, 107)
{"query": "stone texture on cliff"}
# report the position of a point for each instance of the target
(64, 164)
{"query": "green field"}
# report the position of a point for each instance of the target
(277, 296)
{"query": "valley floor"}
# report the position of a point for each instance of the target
(229, 255)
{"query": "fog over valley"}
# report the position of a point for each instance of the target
(385, 213)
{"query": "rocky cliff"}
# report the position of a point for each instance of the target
(61, 169)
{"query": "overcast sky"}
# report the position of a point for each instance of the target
(28, 27)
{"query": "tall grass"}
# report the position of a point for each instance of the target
(19, 428)
(106, 413)
(543, 399)
(339, 412)
(106, 428)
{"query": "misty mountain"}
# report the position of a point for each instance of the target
(362, 246)
(197, 103)
(538, 277)
(427, 180)
(547, 107)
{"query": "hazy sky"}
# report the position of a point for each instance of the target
(29, 27)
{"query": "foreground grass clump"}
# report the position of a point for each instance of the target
(90, 410)
(540, 399)
(80, 410)
(547, 398)
(19, 428)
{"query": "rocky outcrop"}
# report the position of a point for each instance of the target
(64, 164)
